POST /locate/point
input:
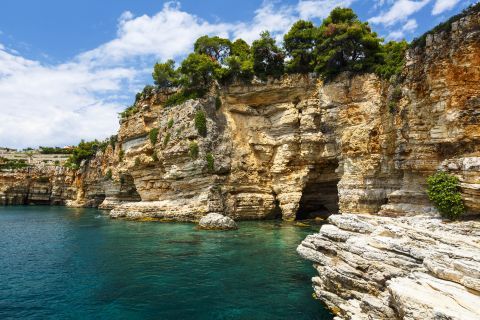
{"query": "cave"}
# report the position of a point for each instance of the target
(320, 194)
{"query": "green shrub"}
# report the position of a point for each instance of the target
(443, 191)
(166, 139)
(170, 124)
(7, 164)
(84, 151)
(130, 111)
(218, 102)
(121, 154)
(113, 140)
(210, 161)
(194, 150)
(395, 98)
(55, 150)
(137, 161)
(183, 96)
(108, 174)
(153, 135)
(201, 122)
(155, 157)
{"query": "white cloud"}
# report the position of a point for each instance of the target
(410, 26)
(443, 5)
(309, 9)
(400, 11)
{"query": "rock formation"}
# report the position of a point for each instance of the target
(215, 221)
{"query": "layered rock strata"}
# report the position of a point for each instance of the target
(372, 267)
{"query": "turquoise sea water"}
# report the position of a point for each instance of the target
(61, 263)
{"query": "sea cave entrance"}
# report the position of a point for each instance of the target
(320, 194)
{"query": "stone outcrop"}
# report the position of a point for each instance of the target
(215, 221)
(372, 267)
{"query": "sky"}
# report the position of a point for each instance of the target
(68, 67)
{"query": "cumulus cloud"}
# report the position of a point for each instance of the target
(399, 11)
(410, 26)
(309, 9)
(443, 5)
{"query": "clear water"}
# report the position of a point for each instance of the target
(60, 263)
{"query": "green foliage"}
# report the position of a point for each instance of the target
(170, 123)
(121, 154)
(194, 150)
(443, 191)
(444, 26)
(55, 150)
(164, 74)
(113, 140)
(153, 135)
(268, 58)
(346, 44)
(130, 111)
(393, 59)
(239, 65)
(201, 122)
(11, 164)
(210, 162)
(218, 102)
(198, 71)
(155, 156)
(299, 44)
(108, 174)
(216, 48)
(137, 161)
(166, 139)
(183, 96)
(394, 99)
(84, 151)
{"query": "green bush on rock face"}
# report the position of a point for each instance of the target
(210, 162)
(443, 191)
(153, 135)
(201, 122)
(194, 150)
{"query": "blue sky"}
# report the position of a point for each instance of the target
(68, 67)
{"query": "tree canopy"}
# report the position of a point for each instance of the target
(299, 44)
(268, 58)
(346, 44)
(340, 43)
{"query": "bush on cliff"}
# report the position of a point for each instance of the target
(443, 191)
(201, 123)
(153, 135)
(84, 151)
(164, 74)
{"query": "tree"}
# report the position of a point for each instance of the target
(393, 59)
(239, 65)
(165, 75)
(267, 57)
(346, 44)
(215, 47)
(299, 44)
(198, 71)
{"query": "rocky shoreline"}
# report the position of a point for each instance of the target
(372, 267)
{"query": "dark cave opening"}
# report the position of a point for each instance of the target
(320, 194)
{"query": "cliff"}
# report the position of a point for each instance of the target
(298, 147)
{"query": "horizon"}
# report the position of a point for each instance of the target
(68, 78)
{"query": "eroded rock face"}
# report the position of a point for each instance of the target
(216, 221)
(396, 268)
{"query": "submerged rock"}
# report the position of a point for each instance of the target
(216, 221)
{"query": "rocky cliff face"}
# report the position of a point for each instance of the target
(415, 266)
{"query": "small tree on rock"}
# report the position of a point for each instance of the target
(268, 58)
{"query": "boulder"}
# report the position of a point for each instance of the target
(216, 221)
